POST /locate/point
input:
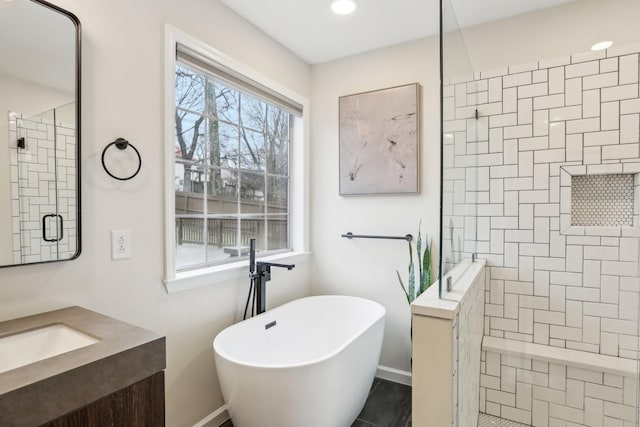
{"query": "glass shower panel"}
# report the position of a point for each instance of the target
(460, 187)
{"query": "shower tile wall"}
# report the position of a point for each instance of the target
(39, 173)
(573, 291)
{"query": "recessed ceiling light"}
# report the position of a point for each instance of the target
(343, 7)
(601, 45)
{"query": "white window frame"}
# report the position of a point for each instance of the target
(298, 161)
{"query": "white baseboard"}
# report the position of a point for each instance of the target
(395, 375)
(214, 419)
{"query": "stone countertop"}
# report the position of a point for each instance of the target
(42, 391)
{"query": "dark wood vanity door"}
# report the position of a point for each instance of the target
(139, 405)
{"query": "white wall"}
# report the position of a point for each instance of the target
(367, 268)
(564, 30)
(123, 96)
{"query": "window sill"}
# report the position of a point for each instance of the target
(208, 276)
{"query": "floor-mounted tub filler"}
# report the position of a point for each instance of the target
(310, 362)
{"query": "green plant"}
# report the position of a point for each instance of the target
(425, 269)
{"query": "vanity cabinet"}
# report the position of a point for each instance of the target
(115, 381)
(141, 405)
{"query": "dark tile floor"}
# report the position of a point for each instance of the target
(388, 405)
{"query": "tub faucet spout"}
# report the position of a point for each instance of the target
(260, 274)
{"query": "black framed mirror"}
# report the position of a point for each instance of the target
(39, 133)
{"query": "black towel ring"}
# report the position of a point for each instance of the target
(121, 144)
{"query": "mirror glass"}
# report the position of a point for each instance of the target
(39, 133)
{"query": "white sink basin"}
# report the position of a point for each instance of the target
(37, 344)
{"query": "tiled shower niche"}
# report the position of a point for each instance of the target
(599, 199)
(602, 200)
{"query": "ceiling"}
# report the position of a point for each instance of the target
(310, 30)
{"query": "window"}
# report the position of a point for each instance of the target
(231, 159)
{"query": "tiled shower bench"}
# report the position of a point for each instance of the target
(546, 386)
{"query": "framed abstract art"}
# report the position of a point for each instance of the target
(379, 140)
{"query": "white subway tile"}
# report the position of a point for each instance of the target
(501, 324)
(622, 151)
(615, 410)
(535, 143)
(525, 183)
(525, 322)
(594, 411)
(601, 253)
(592, 155)
(574, 315)
(574, 258)
(508, 379)
(510, 100)
(557, 135)
(556, 80)
(601, 138)
(525, 164)
(549, 317)
(619, 92)
(619, 326)
(583, 125)
(600, 80)
(583, 294)
(629, 128)
(565, 113)
(630, 106)
(629, 391)
(629, 269)
(557, 299)
(573, 92)
(591, 103)
(510, 153)
(518, 79)
(591, 273)
(540, 336)
(495, 140)
(515, 414)
(511, 254)
(502, 120)
(608, 65)
(600, 310)
(495, 89)
(575, 394)
(557, 244)
(541, 230)
(565, 278)
(549, 101)
(602, 392)
(565, 333)
(489, 381)
(521, 131)
(535, 302)
(574, 147)
(534, 249)
(547, 209)
(549, 156)
(496, 190)
(511, 306)
(610, 115)
(525, 111)
(540, 122)
(584, 375)
(532, 90)
(629, 69)
(582, 69)
(507, 171)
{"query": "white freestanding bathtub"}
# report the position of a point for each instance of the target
(308, 363)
